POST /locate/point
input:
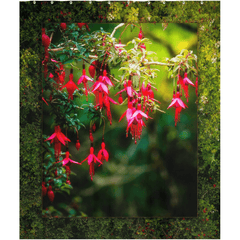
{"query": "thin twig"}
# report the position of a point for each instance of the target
(115, 29)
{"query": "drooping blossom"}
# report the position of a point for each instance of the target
(128, 88)
(91, 160)
(178, 104)
(106, 105)
(128, 113)
(120, 99)
(45, 39)
(94, 127)
(143, 46)
(90, 136)
(67, 161)
(106, 79)
(140, 35)
(103, 153)
(83, 79)
(99, 89)
(185, 82)
(136, 123)
(70, 86)
(58, 138)
(77, 145)
(50, 194)
(92, 69)
(63, 26)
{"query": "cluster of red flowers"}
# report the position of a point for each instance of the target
(177, 103)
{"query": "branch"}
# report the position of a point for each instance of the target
(159, 63)
(115, 29)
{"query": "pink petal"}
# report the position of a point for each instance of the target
(120, 91)
(106, 155)
(97, 159)
(111, 100)
(172, 103)
(90, 158)
(122, 116)
(51, 137)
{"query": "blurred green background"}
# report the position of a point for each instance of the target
(157, 177)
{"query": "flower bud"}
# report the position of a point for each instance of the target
(78, 145)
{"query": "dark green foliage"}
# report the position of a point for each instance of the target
(32, 17)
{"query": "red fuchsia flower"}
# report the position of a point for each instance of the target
(140, 35)
(61, 74)
(63, 26)
(50, 194)
(178, 104)
(91, 160)
(67, 161)
(58, 138)
(128, 113)
(106, 79)
(45, 39)
(136, 123)
(99, 89)
(92, 69)
(94, 127)
(103, 154)
(129, 89)
(120, 99)
(90, 136)
(186, 82)
(83, 79)
(106, 104)
(44, 189)
(70, 86)
(77, 145)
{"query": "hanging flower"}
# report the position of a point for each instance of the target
(94, 127)
(103, 154)
(120, 99)
(140, 35)
(91, 160)
(106, 79)
(63, 26)
(58, 138)
(128, 113)
(90, 136)
(77, 145)
(106, 104)
(186, 82)
(83, 79)
(70, 86)
(45, 39)
(50, 194)
(92, 69)
(178, 104)
(67, 160)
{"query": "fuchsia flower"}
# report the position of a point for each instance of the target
(128, 113)
(128, 88)
(106, 79)
(92, 69)
(77, 145)
(91, 160)
(106, 104)
(185, 82)
(140, 35)
(83, 79)
(143, 46)
(45, 39)
(103, 154)
(50, 194)
(71, 86)
(67, 161)
(136, 123)
(178, 104)
(63, 26)
(58, 137)
(120, 99)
